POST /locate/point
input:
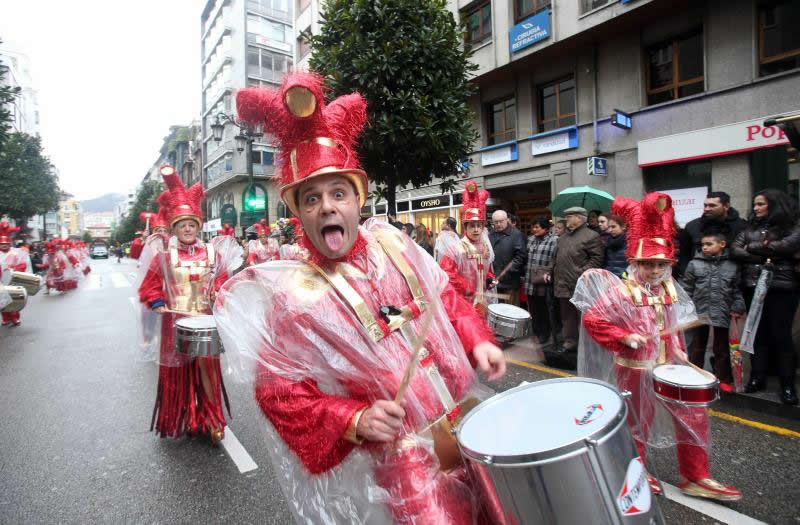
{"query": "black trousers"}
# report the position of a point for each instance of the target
(570, 323)
(540, 313)
(720, 347)
(774, 335)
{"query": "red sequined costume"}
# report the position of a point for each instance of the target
(265, 248)
(331, 337)
(468, 264)
(613, 309)
(12, 259)
(179, 278)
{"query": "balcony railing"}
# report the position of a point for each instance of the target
(260, 8)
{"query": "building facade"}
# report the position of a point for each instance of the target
(99, 224)
(631, 96)
(69, 217)
(25, 108)
(244, 43)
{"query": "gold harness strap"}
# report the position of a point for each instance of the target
(657, 302)
(176, 261)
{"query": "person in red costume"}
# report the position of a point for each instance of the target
(327, 338)
(13, 260)
(265, 248)
(293, 250)
(623, 322)
(71, 266)
(137, 245)
(180, 280)
(468, 263)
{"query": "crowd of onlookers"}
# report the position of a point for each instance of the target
(720, 258)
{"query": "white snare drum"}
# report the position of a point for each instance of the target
(685, 384)
(508, 321)
(197, 336)
(557, 452)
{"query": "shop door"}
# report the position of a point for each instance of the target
(769, 168)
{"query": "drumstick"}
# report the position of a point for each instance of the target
(168, 311)
(427, 323)
(504, 296)
(505, 270)
(682, 327)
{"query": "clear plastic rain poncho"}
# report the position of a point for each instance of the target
(314, 364)
(14, 258)
(183, 278)
(444, 240)
(610, 313)
(258, 252)
(5, 277)
(149, 325)
(460, 261)
(61, 275)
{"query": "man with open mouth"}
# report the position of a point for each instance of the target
(334, 336)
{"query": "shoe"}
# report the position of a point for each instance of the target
(711, 489)
(218, 435)
(6, 323)
(755, 385)
(788, 395)
(655, 486)
(17, 323)
(726, 387)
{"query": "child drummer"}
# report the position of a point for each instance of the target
(628, 324)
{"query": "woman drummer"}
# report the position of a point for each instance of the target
(468, 262)
(628, 324)
(181, 281)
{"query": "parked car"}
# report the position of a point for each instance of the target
(99, 252)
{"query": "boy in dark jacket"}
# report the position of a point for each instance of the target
(712, 281)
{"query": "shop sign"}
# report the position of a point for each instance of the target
(531, 30)
(729, 139)
(496, 155)
(228, 214)
(551, 141)
(597, 166)
(687, 203)
(430, 202)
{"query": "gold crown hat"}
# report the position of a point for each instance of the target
(314, 138)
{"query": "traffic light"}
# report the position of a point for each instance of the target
(253, 202)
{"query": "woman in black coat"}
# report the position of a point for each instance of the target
(772, 232)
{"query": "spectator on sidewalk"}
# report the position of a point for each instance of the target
(712, 281)
(772, 233)
(717, 212)
(559, 227)
(508, 244)
(447, 236)
(615, 260)
(541, 247)
(602, 224)
(423, 239)
(577, 250)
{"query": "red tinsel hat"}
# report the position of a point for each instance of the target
(50, 246)
(261, 230)
(650, 226)
(227, 229)
(314, 138)
(6, 230)
(473, 203)
(178, 202)
(298, 228)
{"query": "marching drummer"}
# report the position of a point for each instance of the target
(265, 248)
(633, 327)
(12, 260)
(333, 334)
(180, 281)
(468, 261)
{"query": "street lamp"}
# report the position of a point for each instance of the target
(243, 141)
(790, 125)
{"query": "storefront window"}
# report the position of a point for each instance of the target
(678, 176)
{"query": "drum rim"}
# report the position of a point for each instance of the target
(713, 384)
(545, 456)
(688, 403)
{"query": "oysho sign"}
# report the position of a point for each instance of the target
(729, 139)
(531, 30)
(430, 202)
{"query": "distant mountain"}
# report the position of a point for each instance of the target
(104, 203)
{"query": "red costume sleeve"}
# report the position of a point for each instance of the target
(458, 281)
(602, 329)
(311, 422)
(152, 287)
(73, 261)
(469, 326)
(251, 259)
(21, 267)
(136, 248)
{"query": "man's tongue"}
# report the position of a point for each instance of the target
(334, 239)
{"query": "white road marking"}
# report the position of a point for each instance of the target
(93, 282)
(237, 452)
(119, 280)
(709, 508)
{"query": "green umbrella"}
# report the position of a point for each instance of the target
(583, 196)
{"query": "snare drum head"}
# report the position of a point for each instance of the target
(539, 417)
(682, 375)
(197, 322)
(509, 310)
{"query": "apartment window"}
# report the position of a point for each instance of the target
(675, 68)
(502, 118)
(303, 46)
(479, 23)
(526, 8)
(778, 37)
(588, 5)
(557, 104)
(266, 64)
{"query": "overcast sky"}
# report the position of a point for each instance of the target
(112, 76)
